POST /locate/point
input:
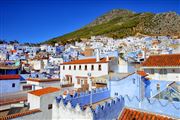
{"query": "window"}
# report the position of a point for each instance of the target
(13, 85)
(78, 81)
(152, 71)
(116, 94)
(81, 82)
(49, 106)
(99, 67)
(85, 67)
(158, 87)
(79, 67)
(63, 67)
(134, 81)
(92, 67)
(74, 67)
(69, 67)
(163, 71)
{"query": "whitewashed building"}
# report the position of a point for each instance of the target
(163, 67)
(124, 66)
(40, 105)
(76, 72)
(39, 83)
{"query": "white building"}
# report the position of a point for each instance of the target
(40, 105)
(61, 112)
(44, 47)
(124, 66)
(76, 72)
(38, 83)
(163, 67)
(38, 64)
(55, 60)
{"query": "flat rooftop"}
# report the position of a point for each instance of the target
(113, 76)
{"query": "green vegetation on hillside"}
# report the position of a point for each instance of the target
(118, 26)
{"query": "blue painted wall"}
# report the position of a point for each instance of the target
(6, 86)
(127, 86)
(84, 97)
(110, 110)
(151, 89)
(3, 72)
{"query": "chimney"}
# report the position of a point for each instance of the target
(107, 58)
(97, 55)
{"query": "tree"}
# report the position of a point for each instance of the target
(13, 42)
(2, 41)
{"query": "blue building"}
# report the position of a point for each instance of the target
(9, 68)
(135, 84)
(9, 83)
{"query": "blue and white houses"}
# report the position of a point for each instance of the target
(9, 83)
(9, 67)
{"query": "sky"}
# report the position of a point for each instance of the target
(36, 21)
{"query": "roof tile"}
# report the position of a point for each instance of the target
(44, 91)
(162, 60)
(19, 114)
(131, 114)
(43, 80)
(86, 61)
(9, 77)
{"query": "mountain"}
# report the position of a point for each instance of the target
(120, 23)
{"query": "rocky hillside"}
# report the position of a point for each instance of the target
(122, 23)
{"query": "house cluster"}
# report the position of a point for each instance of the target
(97, 79)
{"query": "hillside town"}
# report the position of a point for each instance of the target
(100, 78)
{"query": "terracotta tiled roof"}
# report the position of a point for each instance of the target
(44, 91)
(162, 60)
(85, 61)
(142, 73)
(9, 77)
(11, 101)
(19, 114)
(13, 51)
(131, 114)
(42, 80)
